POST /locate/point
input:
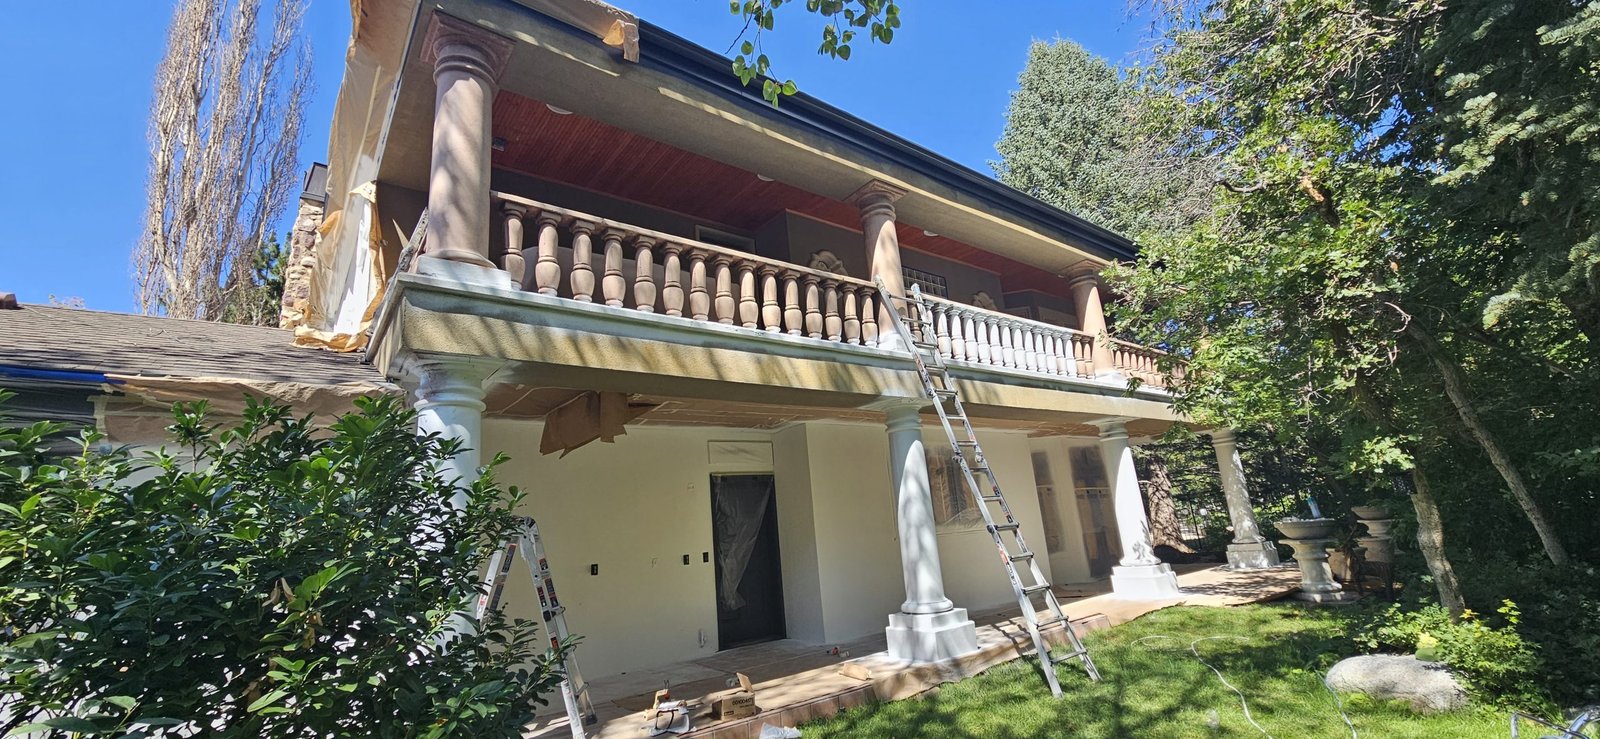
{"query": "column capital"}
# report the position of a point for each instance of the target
(1223, 437)
(899, 412)
(456, 45)
(1083, 272)
(1113, 427)
(876, 198)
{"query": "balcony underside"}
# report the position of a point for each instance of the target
(542, 342)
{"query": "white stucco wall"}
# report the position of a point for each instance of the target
(637, 506)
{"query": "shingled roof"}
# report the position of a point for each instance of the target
(47, 338)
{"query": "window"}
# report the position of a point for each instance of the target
(930, 283)
(952, 502)
(718, 237)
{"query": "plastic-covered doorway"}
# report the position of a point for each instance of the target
(744, 526)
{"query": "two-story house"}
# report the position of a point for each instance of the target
(574, 238)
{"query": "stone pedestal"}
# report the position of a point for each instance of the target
(1145, 582)
(1253, 555)
(931, 637)
(1316, 577)
(1378, 543)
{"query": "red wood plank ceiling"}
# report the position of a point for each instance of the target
(586, 153)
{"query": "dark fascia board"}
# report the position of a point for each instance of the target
(667, 52)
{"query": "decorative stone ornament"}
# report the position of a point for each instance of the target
(1310, 540)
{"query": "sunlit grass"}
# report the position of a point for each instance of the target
(1154, 687)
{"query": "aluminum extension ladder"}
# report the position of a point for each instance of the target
(574, 691)
(940, 387)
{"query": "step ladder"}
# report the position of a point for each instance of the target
(916, 327)
(526, 542)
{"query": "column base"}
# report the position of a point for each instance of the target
(931, 637)
(1253, 555)
(1144, 582)
(1336, 597)
(464, 273)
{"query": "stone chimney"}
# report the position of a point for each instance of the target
(303, 247)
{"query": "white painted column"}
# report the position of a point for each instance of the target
(929, 627)
(467, 61)
(1139, 574)
(1249, 550)
(448, 398)
(876, 200)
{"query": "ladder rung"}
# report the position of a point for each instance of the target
(1005, 526)
(968, 442)
(1052, 621)
(1021, 556)
(991, 498)
(1035, 589)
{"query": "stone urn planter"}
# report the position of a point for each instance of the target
(1310, 539)
(1371, 512)
(1306, 528)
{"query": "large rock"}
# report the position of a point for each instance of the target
(1427, 686)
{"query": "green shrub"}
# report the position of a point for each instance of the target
(1560, 613)
(1497, 664)
(278, 580)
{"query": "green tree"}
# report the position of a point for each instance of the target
(258, 297)
(841, 20)
(1340, 278)
(270, 578)
(1082, 136)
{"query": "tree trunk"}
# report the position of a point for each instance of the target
(1455, 388)
(1164, 529)
(1430, 539)
(1430, 527)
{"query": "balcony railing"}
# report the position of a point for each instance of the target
(705, 282)
(723, 285)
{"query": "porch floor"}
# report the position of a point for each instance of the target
(796, 682)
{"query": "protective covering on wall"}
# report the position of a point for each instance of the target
(737, 519)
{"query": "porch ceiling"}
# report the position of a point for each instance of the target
(576, 150)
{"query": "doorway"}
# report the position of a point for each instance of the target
(749, 575)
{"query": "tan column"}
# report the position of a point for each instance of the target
(467, 61)
(876, 200)
(1085, 283)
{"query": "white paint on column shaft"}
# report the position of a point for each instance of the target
(919, 541)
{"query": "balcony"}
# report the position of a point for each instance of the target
(609, 296)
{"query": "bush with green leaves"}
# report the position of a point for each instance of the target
(266, 578)
(1499, 666)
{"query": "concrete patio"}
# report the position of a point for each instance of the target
(796, 682)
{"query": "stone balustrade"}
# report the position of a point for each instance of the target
(678, 276)
(968, 334)
(682, 277)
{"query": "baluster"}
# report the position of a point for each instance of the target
(771, 311)
(869, 318)
(977, 338)
(1058, 362)
(699, 299)
(672, 278)
(644, 274)
(513, 262)
(547, 271)
(749, 307)
(941, 329)
(725, 301)
(813, 306)
(832, 324)
(997, 347)
(1008, 352)
(1036, 350)
(582, 255)
(793, 314)
(852, 319)
(612, 283)
(958, 345)
(1029, 359)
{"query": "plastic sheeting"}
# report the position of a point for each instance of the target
(739, 507)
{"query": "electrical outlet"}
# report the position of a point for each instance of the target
(686, 559)
(705, 556)
(594, 569)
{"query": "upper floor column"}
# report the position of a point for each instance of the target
(467, 63)
(1085, 282)
(876, 200)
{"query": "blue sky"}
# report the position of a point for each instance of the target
(72, 177)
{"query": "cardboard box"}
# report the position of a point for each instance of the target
(738, 705)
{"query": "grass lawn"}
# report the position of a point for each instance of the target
(1154, 687)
